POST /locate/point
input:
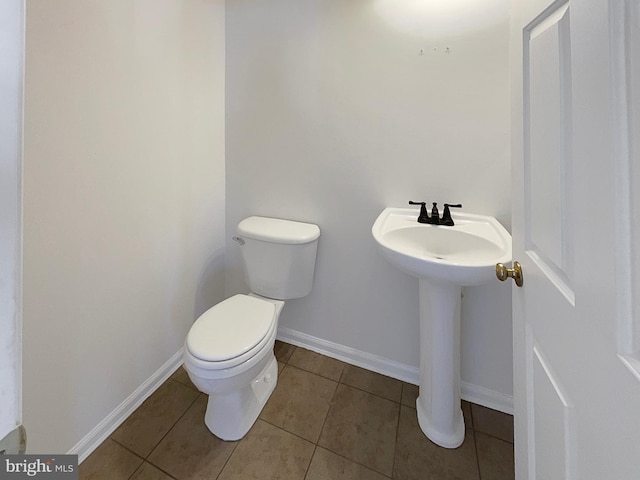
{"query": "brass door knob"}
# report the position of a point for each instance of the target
(503, 272)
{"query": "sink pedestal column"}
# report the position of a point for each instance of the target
(439, 413)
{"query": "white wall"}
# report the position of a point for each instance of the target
(11, 47)
(337, 109)
(123, 200)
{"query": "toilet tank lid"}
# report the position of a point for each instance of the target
(277, 230)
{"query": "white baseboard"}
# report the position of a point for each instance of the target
(375, 363)
(407, 373)
(107, 426)
(486, 397)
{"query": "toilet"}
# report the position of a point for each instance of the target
(228, 352)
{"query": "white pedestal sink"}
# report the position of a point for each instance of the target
(444, 259)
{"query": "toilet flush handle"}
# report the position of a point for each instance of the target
(240, 240)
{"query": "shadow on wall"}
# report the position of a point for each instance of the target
(210, 289)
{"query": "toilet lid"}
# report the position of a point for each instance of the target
(230, 328)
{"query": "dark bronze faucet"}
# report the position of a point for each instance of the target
(435, 219)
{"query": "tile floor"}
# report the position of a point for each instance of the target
(326, 420)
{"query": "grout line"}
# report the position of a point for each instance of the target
(339, 380)
(174, 424)
(395, 447)
(315, 448)
(494, 437)
(325, 417)
(331, 403)
(475, 445)
(472, 423)
(288, 357)
(316, 443)
(315, 373)
(226, 462)
(371, 393)
(154, 466)
(355, 462)
(136, 470)
(144, 459)
(163, 471)
(475, 440)
(190, 384)
(284, 430)
(289, 365)
(123, 446)
(329, 449)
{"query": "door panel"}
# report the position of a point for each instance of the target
(553, 431)
(626, 81)
(547, 152)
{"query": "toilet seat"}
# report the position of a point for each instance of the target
(231, 332)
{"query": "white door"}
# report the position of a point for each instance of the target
(576, 233)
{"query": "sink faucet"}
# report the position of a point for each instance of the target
(435, 219)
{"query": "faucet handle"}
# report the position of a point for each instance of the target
(446, 215)
(424, 216)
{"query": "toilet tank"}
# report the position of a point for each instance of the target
(279, 256)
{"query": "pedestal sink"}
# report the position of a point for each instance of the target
(444, 259)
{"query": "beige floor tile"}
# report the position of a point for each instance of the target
(267, 453)
(492, 422)
(190, 450)
(364, 432)
(362, 427)
(283, 351)
(495, 457)
(315, 363)
(417, 458)
(409, 394)
(149, 472)
(372, 382)
(109, 461)
(466, 412)
(326, 465)
(142, 431)
(181, 375)
(300, 402)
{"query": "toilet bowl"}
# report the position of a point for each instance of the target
(228, 352)
(229, 355)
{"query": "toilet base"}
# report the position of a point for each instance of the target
(230, 416)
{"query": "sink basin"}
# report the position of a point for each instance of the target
(444, 259)
(464, 254)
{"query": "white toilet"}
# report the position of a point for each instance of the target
(228, 352)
